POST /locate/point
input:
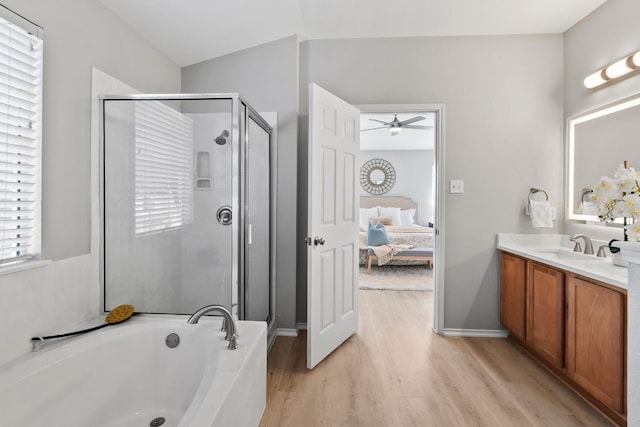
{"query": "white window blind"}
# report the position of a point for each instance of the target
(20, 142)
(163, 168)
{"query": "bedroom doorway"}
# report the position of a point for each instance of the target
(401, 152)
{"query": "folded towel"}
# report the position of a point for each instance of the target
(540, 214)
(588, 208)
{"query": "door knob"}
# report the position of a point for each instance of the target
(318, 241)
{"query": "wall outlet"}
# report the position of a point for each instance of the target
(456, 186)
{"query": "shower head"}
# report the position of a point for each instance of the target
(222, 139)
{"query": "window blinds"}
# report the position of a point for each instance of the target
(20, 142)
(163, 168)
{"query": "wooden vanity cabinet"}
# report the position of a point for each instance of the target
(513, 273)
(545, 312)
(574, 325)
(596, 335)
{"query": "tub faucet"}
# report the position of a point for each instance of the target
(228, 323)
(588, 246)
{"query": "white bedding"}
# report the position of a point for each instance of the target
(386, 209)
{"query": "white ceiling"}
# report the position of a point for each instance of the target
(190, 31)
(408, 139)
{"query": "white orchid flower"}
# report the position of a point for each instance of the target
(633, 231)
(619, 197)
(631, 206)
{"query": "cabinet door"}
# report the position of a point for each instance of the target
(596, 340)
(545, 312)
(513, 294)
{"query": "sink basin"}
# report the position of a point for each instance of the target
(566, 254)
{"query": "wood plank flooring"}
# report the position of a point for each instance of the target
(396, 372)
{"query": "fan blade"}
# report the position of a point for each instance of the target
(417, 127)
(411, 120)
(380, 121)
(381, 127)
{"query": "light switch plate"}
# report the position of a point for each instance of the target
(456, 186)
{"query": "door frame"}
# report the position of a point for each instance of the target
(439, 220)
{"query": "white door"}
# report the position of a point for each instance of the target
(332, 276)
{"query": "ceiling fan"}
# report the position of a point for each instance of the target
(395, 126)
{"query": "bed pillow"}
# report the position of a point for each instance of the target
(385, 220)
(394, 213)
(365, 214)
(377, 235)
(407, 217)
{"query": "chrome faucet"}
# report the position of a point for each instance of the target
(228, 324)
(602, 251)
(588, 246)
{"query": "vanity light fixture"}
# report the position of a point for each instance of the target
(613, 71)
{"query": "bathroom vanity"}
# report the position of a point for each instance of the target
(568, 310)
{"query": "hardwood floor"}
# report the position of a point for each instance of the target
(396, 372)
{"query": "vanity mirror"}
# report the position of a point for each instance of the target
(597, 143)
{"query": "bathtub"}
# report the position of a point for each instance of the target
(125, 375)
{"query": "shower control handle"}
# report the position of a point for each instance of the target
(318, 241)
(224, 215)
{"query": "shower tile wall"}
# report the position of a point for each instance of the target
(206, 244)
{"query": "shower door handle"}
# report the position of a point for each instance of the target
(318, 241)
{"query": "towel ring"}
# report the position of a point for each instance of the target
(537, 190)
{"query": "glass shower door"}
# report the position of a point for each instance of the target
(257, 289)
(167, 170)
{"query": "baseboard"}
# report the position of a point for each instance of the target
(285, 332)
(301, 326)
(479, 333)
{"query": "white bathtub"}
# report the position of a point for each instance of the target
(125, 376)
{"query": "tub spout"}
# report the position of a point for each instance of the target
(228, 323)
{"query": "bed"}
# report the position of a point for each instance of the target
(403, 229)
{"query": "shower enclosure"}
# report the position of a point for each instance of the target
(187, 204)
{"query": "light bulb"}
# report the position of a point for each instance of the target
(618, 69)
(596, 79)
(635, 60)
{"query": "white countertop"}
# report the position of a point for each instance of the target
(555, 250)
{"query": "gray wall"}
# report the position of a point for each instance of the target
(413, 177)
(608, 34)
(503, 135)
(78, 35)
(266, 77)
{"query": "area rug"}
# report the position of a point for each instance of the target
(397, 278)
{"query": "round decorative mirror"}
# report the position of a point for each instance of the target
(377, 176)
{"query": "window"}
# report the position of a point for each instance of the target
(163, 168)
(20, 142)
